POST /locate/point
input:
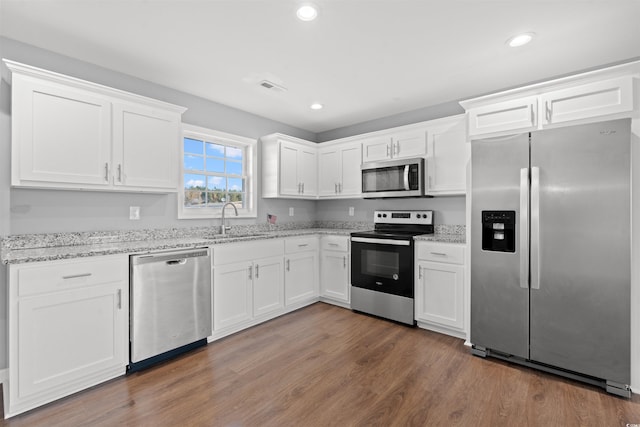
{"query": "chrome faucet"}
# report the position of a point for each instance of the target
(223, 228)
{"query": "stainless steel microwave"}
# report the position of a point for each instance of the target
(393, 178)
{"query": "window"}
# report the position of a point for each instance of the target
(217, 168)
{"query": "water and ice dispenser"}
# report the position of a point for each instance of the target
(499, 231)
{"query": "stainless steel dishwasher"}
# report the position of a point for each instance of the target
(170, 307)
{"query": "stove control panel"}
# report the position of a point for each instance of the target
(403, 217)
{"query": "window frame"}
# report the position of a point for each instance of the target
(248, 145)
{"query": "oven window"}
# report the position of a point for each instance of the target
(377, 263)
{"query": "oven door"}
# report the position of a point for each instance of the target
(384, 265)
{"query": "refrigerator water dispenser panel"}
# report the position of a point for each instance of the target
(499, 231)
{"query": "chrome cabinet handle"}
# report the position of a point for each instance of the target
(120, 173)
(106, 172)
(533, 115)
(250, 272)
(438, 253)
(119, 299)
(288, 266)
(340, 188)
(397, 151)
(303, 188)
(333, 244)
(524, 228)
(535, 228)
(302, 245)
(548, 111)
(388, 151)
(257, 271)
(419, 272)
(75, 276)
(335, 188)
(344, 261)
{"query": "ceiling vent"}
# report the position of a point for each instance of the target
(272, 86)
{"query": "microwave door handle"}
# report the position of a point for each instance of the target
(406, 177)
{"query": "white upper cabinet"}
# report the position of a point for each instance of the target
(592, 100)
(515, 115)
(73, 134)
(144, 149)
(598, 95)
(447, 156)
(289, 167)
(339, 170)
(397, 145)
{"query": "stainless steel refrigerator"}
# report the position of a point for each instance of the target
(550, 256)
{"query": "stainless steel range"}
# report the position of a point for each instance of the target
(382, 265)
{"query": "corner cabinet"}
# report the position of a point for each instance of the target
(395, 145)
(439, 292)
(289, 167)
(339, 171)
(68, 328)
(301, 271)
(68, 133)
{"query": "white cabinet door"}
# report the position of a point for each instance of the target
(596, 99)
(308, 171)
(67, 336)
(268, 285)
(409, 144)
(301, 277)
(447, 158)
(232, 294)
(339, 171)
(440, 293)
(334, 276)
(289, 184)
(61, 136)
(68, 328)
(516, 115)
(329, 166)
(376, 148)
(146, 146)
(351, 175)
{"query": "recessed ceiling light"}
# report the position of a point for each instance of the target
(316, 106)
(307, 12)
(520, 39)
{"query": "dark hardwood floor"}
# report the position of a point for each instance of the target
(325, 365)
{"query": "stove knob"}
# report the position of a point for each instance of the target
(384, 215)
(418, 216)
(379, 215)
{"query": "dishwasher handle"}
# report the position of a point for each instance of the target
(177, 261)
(178, 257)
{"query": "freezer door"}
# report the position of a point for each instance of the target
(580, 249)
(499, 305)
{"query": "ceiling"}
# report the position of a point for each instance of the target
(362, 59)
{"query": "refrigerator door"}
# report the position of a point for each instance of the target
(499, 305)
(580, 249)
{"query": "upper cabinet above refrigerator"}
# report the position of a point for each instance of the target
(595, 96)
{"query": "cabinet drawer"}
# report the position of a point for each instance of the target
(300, 244)
(334, 243)
(441, 252)
(228, 253)
(53, 276)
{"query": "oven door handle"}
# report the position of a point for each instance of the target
(406, 177)
(381, 241)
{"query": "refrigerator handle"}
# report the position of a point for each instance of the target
(524, 228)
(535, 228)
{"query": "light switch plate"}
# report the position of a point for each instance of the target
(352, 211)
(290, 211)
(134, 212)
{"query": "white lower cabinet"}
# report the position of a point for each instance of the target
(68, 328)
(439, 291)
(301, 271)
(247, 286)
(335, 260)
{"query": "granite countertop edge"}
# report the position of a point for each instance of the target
(28, 255)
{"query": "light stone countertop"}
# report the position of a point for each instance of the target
(61, 246)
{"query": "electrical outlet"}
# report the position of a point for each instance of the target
(352, 211)
(290, 211)
(134, 212)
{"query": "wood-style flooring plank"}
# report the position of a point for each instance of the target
(327, 366)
